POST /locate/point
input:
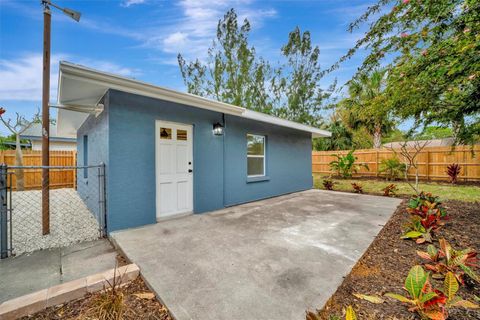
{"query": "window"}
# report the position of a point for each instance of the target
(166, 133)
(181, 135)
(85, 156)
(255, 155)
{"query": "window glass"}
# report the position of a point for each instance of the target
(255, 144)
(166, 133)
(255, 155)
(182, 135)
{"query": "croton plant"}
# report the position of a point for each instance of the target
(446, 259)
(427, 216)
(428, 302)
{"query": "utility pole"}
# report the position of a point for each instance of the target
(47, 18)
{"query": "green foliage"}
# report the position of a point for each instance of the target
(392, 168)
(366, 107)
(434, 132)
(432, 50)
(425, 300)
(427, 217)
(448, 260)
(296, 85)
(233, 73)
(341, 139)
(345, 166)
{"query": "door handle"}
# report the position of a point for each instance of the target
(190, 170)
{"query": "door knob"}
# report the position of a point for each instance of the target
(190, 170)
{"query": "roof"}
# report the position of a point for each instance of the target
(35, 133)
(81, 88)
(445, 142)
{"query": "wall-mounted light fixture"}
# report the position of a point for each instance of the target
(217, 129)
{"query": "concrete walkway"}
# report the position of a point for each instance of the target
(269, 259)
(42, 269)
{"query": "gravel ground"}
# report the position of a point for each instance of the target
(70, 220)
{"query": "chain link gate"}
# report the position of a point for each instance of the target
(77, 208)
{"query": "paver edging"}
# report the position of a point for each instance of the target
(65, 292)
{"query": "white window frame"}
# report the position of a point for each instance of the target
(258, 156)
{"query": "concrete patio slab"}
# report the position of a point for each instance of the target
(46, 268)
(270, 259)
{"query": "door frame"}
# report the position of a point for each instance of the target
(158, 125)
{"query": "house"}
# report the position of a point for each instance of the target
(57, 142)
(444, 142)
(169, 153)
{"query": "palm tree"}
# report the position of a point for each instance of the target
(341, 139)
(366, 105)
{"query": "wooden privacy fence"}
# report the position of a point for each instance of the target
(59, 178)
(432, 162)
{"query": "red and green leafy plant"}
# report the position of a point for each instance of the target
(424, 204)
(453, 171)
(328, 184)
(447, 259)
(357, 188)
(427, 217)
(418, 230)
(390, 190)
(428, 302)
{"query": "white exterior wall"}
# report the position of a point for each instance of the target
(56, 146)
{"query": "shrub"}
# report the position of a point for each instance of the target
(427, 216)
(328, 184)
(357, 188)
(345, 166)
(447, 259)
(392, 168)
(425, 204)
(349, 315)
(453, 171)
(428, 302)
(390, 190)
(109, 305)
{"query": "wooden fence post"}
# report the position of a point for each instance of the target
(427, 165)
(376, 163)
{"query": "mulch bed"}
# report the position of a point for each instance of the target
(385, 265)
(135, 307)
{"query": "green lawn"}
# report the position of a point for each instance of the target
(445, 191)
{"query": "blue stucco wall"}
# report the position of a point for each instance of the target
(96, 130)
(131, 188)
(123, 137)
(288, 161)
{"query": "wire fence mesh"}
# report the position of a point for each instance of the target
(76, 213)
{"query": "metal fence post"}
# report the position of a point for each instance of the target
(3, 212)
(102, 198)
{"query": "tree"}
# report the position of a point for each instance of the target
(17, 127)
(433, 55)
(232, 73)
(341, 139)
(297, 84)
(408, 152)
(366, 106)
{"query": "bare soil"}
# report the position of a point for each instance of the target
(137, 306)
(385, 265)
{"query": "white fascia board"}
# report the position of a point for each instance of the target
(316, 133)
(112, 81)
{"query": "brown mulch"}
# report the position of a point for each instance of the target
(385, 265)
(135, 307)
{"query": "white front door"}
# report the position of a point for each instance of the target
(174, 167)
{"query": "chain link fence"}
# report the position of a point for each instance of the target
(77, 208)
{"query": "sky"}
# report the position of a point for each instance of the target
(141, 39)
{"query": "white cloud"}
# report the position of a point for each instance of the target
(128, 3)
(192, 33)
(21, 78)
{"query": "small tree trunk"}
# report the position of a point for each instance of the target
(377, 137)
(19, 174)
